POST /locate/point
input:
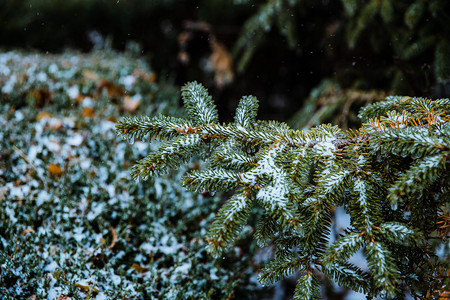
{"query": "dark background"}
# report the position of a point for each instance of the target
(391, 52)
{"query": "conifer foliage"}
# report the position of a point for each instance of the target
(407, 30)
(391, 176)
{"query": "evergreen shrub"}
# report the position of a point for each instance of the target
(390, 175)
(72, 226)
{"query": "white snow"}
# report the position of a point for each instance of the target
(360, 186)
(78, 234)
(75, 140)
(212, 274)
(54, 292)
(41, 76)
(274, 195)
(20, 192)
(53, 68)
(101, 296)
(115, 278)
(4, 70)
(104, 126)
(9, 84)
(73, 92)
(87, 102)
(334, 180)
(42, 197)
(85, 163)
(65, 140)
(52, 266)
(52, 144)
(184, 268)
(11, 215)
(95, 209)
(18, 115)
(129, 81)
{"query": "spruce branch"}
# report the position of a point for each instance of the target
(417, 178)
(307, 287)
(169, 155)
(199, 105)
(229, 155)
(246, 111)
(331, 186)
(415, 106)
(228, 223)
(365, 209)
(342, 249)
(212, 180)
(386, 11)
(384, 270)
(256, 26)
(391, 176)
(265, 230)
(274, 199)
(350, 276)
(283, 267)
(132, 128)
(399, 233)
(368, 12)
(317, 231)
(416, 142)
(350, 6)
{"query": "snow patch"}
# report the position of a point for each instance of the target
(75, 140)
(73, 92)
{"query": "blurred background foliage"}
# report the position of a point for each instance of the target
(73, 225)
(279, 50)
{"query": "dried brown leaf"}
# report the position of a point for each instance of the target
(112, 90)
(129, 104)
(139, 268)
(43, 115)
(222, 64)
(86, 287)
(88, 112)
(89, 75)
(27, 231)
(114, 238)
(54, 170)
